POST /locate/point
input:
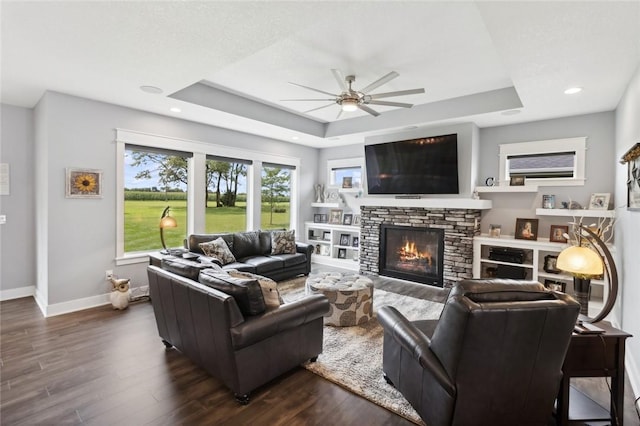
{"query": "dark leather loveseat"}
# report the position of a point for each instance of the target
(493, 358)
(253, 253)
(231, 334)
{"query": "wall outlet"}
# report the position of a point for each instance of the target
(108, 274)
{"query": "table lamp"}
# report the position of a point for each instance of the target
(584, 263)
(166, 221)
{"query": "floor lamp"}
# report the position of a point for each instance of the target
(166, 221)
(585, 262)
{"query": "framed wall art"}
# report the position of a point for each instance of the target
(632, 159)
(556, 233)
(526, 229)
(599, 201)
(335, 216)
(83, 183)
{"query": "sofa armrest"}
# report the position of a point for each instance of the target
(304, 248)
(414, 342)
(285, 317)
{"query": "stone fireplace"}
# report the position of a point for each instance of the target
(412, 253)
(457, 227)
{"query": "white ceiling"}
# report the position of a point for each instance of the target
(475, 60)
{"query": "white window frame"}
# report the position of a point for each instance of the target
(345, 163)
(195, 205)
(554, 146)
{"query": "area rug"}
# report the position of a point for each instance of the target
(352, 356)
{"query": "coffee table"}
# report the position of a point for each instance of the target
(350, 297)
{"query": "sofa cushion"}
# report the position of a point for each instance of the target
(265, 242)
(264, 264)
(246, 244)
(283, 242)
(291, 259)
(218, 249)
(246, 291)
(239, 266)
(267, 285)
(185, 268)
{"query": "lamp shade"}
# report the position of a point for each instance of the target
(580, 261)
(168, 222)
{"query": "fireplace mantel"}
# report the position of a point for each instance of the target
(427, 203)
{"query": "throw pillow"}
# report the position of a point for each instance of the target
(218, 249)
(283, 242)
(246, 244)
(246, 292)
(267, 285)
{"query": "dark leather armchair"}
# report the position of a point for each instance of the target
(493, 358)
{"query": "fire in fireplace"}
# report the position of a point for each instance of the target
(414, 254)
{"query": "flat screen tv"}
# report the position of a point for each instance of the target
(417, 166)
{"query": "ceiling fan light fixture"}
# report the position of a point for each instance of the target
(349, 105)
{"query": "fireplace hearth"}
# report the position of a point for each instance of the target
(414, 254)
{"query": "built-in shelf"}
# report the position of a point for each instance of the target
(504, 188)
(575, 212)
(326, 205)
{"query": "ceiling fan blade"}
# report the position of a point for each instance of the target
(396, 93)
(339, 114)
(307, 99)
(315, 90)
(340, 79)
(368, 110)
(323, 106)
(396, 104)
(379, 82)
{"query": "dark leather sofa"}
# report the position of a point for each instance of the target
(243, 350)
(493, 358)
(252, 250)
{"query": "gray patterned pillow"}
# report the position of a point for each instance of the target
(283, 242)
(218, 249)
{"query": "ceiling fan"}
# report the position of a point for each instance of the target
(352, 100)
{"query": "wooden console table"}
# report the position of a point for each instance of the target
(593, 355)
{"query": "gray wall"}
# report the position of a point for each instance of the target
(80, 240)
(600, 132)
(17, 236)
(628, 228)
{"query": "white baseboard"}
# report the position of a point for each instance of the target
(17, 293)
(76, 305)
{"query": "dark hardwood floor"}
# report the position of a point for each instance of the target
(105, 367)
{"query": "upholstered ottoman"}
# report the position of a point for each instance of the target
(350, 297)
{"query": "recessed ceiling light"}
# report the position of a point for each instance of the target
(573, 90)
(295, 138)
(151, 89)
(511, 112)
(175, 109)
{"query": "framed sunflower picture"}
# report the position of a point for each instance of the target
(84, 183)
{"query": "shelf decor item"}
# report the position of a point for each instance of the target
(347, 218)
(335, 216)
(355, 242)
(599, 201)
(494, 230)
(632, 158)
(342, 253)
(550, 262)
(83, 183)
(347, 182)
(516, 181)
(548, 201)
(356, 220)
(344, 239)
(557, 233)
(584, 261)
(317, 218)
(526, 229)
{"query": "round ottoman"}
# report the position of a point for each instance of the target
(350, 297)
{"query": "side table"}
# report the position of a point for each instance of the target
(593, 355)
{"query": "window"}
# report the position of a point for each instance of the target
(276, 196)
(337, 170)
(153, 180)
(226, 198)
(556, 162)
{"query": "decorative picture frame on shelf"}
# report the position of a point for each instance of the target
(317, 218)
(516, 181)
(335, 216)
(342, 253)
(323, 218)
(344, 239)
(494, 230)
(548, 201)
(526, 229)
(324, 250)
(332, 196)
(326, 235)
(355, 241)
(347, 218)
(356, 220)
(83, 183)
(632, 158)
(550, 264)
(555, 285)
(599, 201)
(347, 182)
(556, 233)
